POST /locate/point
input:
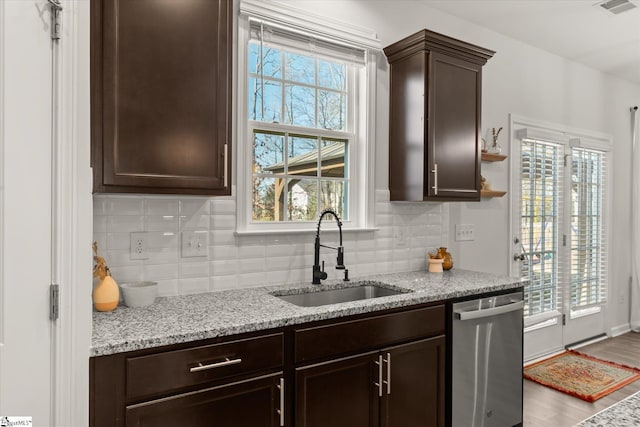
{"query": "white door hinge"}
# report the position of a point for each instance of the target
(54, 301)
(56, 8)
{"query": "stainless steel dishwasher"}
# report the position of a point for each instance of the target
(487, 362)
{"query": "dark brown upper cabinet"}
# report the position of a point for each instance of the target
(434, 135)
(161, 96)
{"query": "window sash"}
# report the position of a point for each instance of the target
(286, 175)
(588, 228)
(541, 202)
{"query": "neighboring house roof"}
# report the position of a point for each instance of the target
(332, 159)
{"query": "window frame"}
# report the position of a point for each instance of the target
(361, 146)
(570, 138)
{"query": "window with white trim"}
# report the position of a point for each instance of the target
(304, 126)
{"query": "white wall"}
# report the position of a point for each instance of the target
(519, 79)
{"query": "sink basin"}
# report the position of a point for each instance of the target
(335, 296)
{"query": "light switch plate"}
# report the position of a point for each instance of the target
(465, 232)
(194, 244)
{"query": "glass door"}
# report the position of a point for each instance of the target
(539, 229)
(560, 239)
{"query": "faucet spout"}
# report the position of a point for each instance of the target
(318, 272)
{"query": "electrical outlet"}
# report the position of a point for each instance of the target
(465, 232)
(138, 245)
(195, 243)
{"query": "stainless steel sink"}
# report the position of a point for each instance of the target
(335, 296)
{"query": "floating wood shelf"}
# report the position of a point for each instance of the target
(489, 157)
(492, 193)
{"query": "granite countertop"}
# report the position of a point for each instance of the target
(187, 318)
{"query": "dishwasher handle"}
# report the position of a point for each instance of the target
(488, 312)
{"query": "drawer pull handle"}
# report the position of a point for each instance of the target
(226, 362)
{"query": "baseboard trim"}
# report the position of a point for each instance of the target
(620, 329)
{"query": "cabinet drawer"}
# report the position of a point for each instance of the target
(374, 332)
(158, 373)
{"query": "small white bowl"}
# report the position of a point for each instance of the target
(139, 294)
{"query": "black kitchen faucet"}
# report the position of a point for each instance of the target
(318, 272)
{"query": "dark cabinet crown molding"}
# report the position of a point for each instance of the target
(436, 42)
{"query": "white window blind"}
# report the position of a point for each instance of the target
(541, 198)
(588, 228)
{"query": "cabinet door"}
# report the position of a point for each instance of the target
(161, 115)
(339, 393)
(249, 403)
(415, 377)
(453, 147)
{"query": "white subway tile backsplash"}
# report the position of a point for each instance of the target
(405, 232)
(223, 252)
(402, 265)
(223, 206)
(120, 258)
(275, 263)
(162, 207)
(219, 283)
(223, 222)
(123, 274)
(101, 240)
(117, 241)
(193, 286)
(251, 265)
(124, 205)
(223, 268)
(247, 280)
(168, 288)
(99, 224)
(250, 252)
(99, 206)
(384, 220)
(194, 222)
(162, 239)
(162, 223)
(158, 272)
(125, 223)
(194, 269)
(163, 255)
(194, 206)
(288, 276)
(222, 238)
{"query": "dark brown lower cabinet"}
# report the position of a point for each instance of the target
(253, 402)
(383, 369)
(339, 393)
(400, 386)
(415, 394)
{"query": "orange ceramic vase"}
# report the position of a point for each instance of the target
(447, 263)
(106, 294)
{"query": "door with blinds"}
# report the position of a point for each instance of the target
(559, 224)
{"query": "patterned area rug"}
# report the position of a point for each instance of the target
(582, 376)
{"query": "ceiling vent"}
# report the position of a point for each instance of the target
(616, 6)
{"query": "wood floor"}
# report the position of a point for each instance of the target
(545, 407)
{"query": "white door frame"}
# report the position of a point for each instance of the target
(72, 215)
(73, 220)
